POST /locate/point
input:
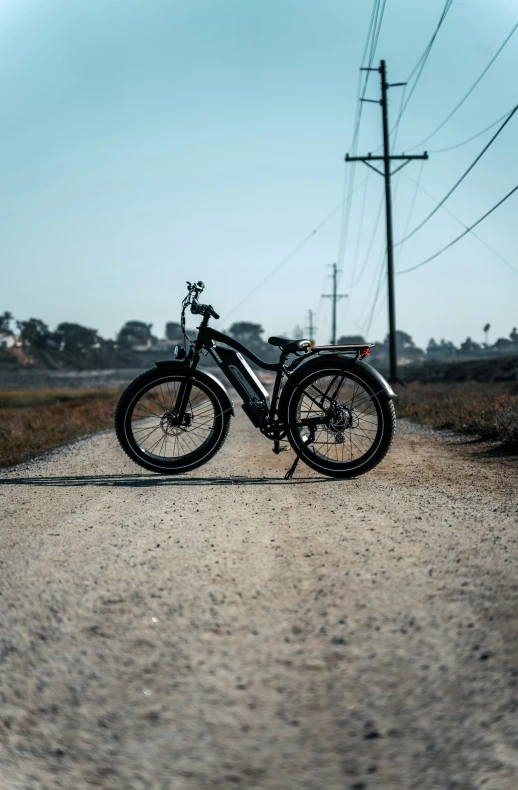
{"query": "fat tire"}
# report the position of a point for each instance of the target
(200, 457)
(388, 427)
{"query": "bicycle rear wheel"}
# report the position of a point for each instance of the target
(358, 420)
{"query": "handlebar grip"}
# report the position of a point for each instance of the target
(202, 309)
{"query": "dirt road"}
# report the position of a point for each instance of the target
(228, 629)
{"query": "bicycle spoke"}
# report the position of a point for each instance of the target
(339, 398)
(155, 426)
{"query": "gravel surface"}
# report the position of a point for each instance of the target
(228, 629)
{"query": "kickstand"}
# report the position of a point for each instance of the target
(289, 474)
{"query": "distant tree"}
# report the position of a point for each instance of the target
(173, 330)
(447, 348)
(469, 347)
(106, 344)
(135, 333)
(514, 335)
(298, 332)
(404, 344)
(432, 346)
(249, 335)
(5, 327)
(246, 332)
(485, 330)
(350, 340)
(75, 337)
(36, 333)
(503, 344)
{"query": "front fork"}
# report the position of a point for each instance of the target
(184, 392)
(182, 399)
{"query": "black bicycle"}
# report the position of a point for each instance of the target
(335, 410)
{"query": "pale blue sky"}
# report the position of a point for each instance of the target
(146, 142)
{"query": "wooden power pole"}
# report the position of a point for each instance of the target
(335, 298)
(311, 326)
(387, 158)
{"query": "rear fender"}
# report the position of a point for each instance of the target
(177, 365)
(370, 374)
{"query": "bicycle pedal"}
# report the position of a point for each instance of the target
(281, 449)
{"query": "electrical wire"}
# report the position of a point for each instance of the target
(422, 60)
(457, 219)
(376, 296)
(373, 33)
(474, 137)
(395, 129)
(417, 184)
(344, 227)
(466, 95)
(290, 255)
(454, 241)
(371, 243)
(360, 226)
(454, 187)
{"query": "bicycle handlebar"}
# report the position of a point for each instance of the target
(203, 309)
(195, 290)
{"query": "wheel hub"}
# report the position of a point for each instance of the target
(341, 418)
(170, 423)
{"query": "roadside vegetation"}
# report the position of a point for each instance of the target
(488, 410)
(34, 421)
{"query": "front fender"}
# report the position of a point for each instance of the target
(199, 375)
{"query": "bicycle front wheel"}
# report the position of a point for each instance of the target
(358, 421)
(151, 433)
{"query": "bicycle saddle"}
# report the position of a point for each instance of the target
(289, 346)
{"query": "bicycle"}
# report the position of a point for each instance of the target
(336, 411)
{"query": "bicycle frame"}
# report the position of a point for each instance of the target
(257, 405)
(230, 359)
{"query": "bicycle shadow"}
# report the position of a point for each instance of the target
(154, 481)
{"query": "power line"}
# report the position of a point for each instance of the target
(469, 92)
(373, 33)
(371, 243)
(409, 217)
(344, 229)
(368, 324)
(454, 241)
(290, 255)
(360, 227)
(419, 65)
(454, 187)
(474, 137)
(457, 219)
(422, 60)
(284, 260)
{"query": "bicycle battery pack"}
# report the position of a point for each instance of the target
(256, 401)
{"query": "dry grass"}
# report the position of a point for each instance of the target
(33, 421)
(487, 410)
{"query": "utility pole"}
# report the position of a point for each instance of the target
(335, 297)
(311, 327)
(387, 158)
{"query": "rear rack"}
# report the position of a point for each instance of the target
(351, 347)
(361, 350)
